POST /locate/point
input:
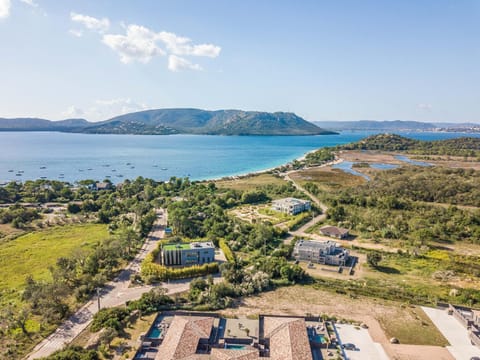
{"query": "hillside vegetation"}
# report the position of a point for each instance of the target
(465, 146)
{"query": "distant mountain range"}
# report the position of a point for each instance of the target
(393, 125)
(178, 121)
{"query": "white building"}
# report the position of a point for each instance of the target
(291, 206)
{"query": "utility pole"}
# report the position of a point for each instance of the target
(98, 298)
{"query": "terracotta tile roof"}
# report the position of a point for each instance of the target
(288, 338)
(183, 336)
(229, 354)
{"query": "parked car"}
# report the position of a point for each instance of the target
(349, 346)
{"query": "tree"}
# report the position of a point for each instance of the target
(373, 258)
(14, 318)
(73, 208)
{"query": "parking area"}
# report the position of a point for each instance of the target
(460, 345)
(365, 347)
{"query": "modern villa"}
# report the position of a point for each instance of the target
(320, 252)
(291, 206)
(181, 335)
(196, 253)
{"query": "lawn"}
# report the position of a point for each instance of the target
(250, 182)
(33, 253)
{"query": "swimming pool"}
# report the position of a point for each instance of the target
(235, 347)
(154, 333)
(319, 338)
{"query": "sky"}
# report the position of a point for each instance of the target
(321, 59)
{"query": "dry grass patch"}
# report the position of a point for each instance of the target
(300, 300)
(250, 182)
(412, 326)
(326, 178)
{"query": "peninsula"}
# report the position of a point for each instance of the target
(178, 121)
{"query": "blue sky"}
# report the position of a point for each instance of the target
(324, 60)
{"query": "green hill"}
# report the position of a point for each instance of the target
(464, 146)
(195, 121)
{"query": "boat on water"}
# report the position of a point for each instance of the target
(129, 163)
(18, 174)
(155, 165)
(132, 167)
(89, 169)
(113, 170)
(43, 167)
(164, 169)
(21, 171)
(10, 170)
(119, 175)
(107, 176)
(43, 177)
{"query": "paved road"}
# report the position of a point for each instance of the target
(300, 232)
(114, 293)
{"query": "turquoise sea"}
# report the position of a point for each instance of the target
(72, 157)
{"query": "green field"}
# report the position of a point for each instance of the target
(33, 253)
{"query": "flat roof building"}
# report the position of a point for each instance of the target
(320, 252)
(187, 254)
(291, 206)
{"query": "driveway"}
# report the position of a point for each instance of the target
(460, 346)
(367, 349)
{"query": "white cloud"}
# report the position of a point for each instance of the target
(179, 45)
(91, 23)
(177, 63)
(73, 112)
(142, 44)
(30, 3)
(76, 33)
(425, 107)
(4, 8)
(137, 45)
